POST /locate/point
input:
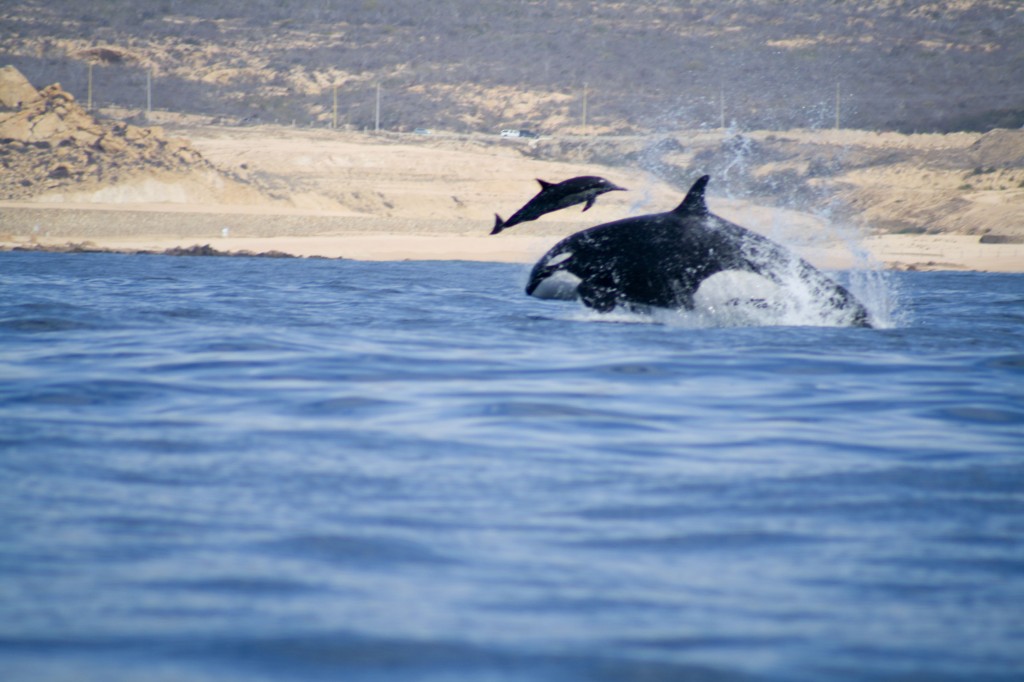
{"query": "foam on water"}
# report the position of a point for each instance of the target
(739, 299)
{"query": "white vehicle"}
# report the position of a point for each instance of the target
(508, 132)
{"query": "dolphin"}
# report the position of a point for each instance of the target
(660, 261)
(552, 197)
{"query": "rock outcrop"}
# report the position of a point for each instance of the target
(15, 90)
(49, 143)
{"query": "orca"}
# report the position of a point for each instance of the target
(661, 260)
(553, 196)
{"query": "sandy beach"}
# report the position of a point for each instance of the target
(352, 195)
(376, 239)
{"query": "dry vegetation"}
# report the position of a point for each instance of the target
(463, 65)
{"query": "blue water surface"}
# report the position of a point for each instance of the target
(253, 469)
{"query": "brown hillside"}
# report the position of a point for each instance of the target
(469, 66)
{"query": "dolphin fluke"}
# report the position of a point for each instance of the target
(499, 224)
(554, 196)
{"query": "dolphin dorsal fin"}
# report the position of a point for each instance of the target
(694, 201)
(544, 185)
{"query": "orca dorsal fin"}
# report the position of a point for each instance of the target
(694, 201)
(544, 185)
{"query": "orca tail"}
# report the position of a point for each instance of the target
(694, 201)
(499, 224)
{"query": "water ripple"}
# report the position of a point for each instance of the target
(258, 469)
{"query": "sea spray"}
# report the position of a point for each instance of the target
(735, 166)
(735, 299)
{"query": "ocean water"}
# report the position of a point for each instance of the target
(254, 469)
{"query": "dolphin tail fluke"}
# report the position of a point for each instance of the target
(694, 201)
(499, 224)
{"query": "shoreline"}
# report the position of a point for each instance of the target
(889, 252)
(135, 229)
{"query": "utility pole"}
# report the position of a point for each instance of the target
(88, 105)
(334, 118)
(584, 108)
(376, 124)
(721, 107)
(837, 106)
